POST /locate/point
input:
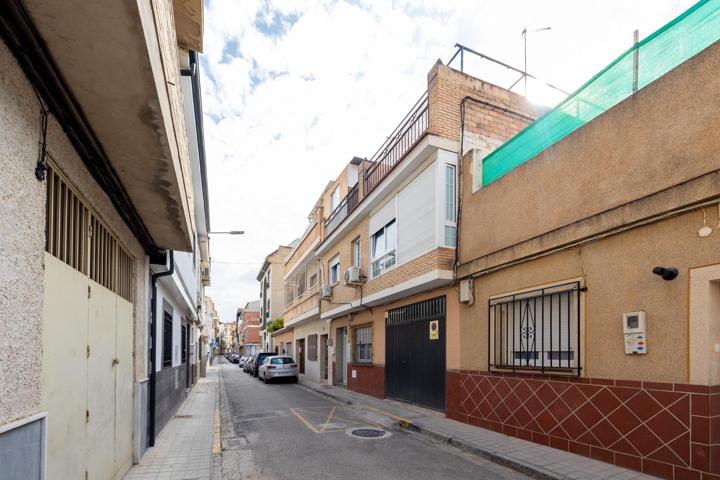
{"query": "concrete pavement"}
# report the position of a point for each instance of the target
(283, 431)
(530, 458)
(232, 426)
(184, 448)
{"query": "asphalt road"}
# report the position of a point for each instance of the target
(284, 431)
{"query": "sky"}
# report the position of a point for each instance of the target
(293, 89)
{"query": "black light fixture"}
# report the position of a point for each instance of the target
(667, 273)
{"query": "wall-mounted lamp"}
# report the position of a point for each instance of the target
(667, 273)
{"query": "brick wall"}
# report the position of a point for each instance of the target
(343, 248)
(306, 302)
(663, 429)
(438, 259)
(446, 89)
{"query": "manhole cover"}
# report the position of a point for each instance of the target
(183, 416)
(368, 433)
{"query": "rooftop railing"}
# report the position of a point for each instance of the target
(643, 63)
(403, 138)
(401, 141)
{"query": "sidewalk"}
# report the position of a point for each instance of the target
(529, 458)
(186, 445)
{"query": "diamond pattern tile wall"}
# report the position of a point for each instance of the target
(634, 424)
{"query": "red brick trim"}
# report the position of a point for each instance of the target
(370, 379)
(670, 430)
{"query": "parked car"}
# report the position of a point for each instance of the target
(247, 368)
(234, 358)
(244, 360)
(277, 367)
(255, 367)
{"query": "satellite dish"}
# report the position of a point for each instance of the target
(705, 232)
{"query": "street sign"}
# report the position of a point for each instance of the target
(434, 327)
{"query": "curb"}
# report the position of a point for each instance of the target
(530, 470)
(325, 393)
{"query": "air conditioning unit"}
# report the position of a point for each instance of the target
(326, 292)
(466, 291)
(354, 276)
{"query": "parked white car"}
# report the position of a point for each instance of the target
(278, 366)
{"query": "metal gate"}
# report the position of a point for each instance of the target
(415, 353)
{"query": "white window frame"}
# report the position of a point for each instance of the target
(334, 262)
(335, 198)
(449, 223)
(362, 356)
(385, 259)
(356, 253)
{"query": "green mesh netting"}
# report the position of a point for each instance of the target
(668, 47)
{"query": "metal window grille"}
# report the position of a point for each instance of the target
(363, 344)
(75, 235)
(167, 339)
(312, 347)
(184, 344)
(536, 330)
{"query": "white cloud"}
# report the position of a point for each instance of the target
(293, 89)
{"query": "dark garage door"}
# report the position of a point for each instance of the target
(415, 353)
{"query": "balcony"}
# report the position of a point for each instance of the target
(205, 275)
(405, 136)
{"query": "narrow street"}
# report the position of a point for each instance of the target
(284, 431)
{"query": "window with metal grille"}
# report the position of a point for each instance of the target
(76, 235)
(312, 347)
(536, 330)
(184, 344)
(363, 344)
(167, 339)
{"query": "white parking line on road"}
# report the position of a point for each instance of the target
(330, 419)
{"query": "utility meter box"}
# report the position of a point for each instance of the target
(634, 330)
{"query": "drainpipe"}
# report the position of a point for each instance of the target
(153, 347)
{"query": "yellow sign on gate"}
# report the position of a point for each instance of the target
(434, 329)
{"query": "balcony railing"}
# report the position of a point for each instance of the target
(390, 153)
(346, 207)
(205, 275)
(401, 141)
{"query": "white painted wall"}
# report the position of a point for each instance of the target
(170, 295)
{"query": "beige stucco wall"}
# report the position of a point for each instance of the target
(618, 274)
(22, 241)
(311, 327)
(658, 138)
(376, 317)
(704, 325)
(22, 230)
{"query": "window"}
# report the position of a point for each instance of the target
(281, 361)
(167, 339)
(363, 344)
(450, 236)
(450, 207)
(356, 253)
(384, 242)
(334, 270)
(183, 348)
(312, 348)
(76, 236)
(537, 330)
(335, 199)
